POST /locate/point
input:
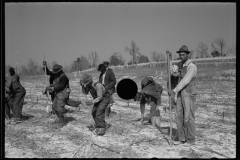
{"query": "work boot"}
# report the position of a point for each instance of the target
(14, 121)
(100, 131)
(178, 142)
(60, 123)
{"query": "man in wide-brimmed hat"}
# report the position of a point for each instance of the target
(60, 89)
(185, 93)
(107, 77)
(101, 99)
(53, 76)
(16, 93)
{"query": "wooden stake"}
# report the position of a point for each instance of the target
(169, 87)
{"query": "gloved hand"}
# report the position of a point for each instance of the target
(171, 93)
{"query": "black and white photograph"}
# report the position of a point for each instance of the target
(119, 80)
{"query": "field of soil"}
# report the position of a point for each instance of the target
(126, 136)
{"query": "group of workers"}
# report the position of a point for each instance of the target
(183, 93)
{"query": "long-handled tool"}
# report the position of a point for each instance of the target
(49, 107)
(81, 146)
(169, 87)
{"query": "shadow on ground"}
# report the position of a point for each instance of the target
(26, 117)
(69, 119)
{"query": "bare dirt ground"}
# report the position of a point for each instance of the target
(126, 137)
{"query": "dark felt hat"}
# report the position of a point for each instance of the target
(101, 66)
(86, 79)
(183, 49)
(106, 63)
(56, 69)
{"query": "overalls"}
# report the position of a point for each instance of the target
(185, 109)
(98, 111)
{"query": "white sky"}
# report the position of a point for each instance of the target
(65, 31)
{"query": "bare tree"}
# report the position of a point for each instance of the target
(116, 59)
(93, 58)
(155, 56)
(142, 59)
(24, 70)
(202, 50)
(221, 45)
(133, 51)
(231, 50)
(162, 56)
(191, 54)
(84, 63)
(32, 66)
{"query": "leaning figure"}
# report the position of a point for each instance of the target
(101, 99)
(150, 94)
(61, 91)
(16, 96)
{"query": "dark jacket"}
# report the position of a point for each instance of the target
(13, 83)
(151, 91)
(109, 80)
(61, 86)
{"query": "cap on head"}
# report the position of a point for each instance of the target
(106, 63)
(184, 49)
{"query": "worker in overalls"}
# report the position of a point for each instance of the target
(101, 99)
(185, 93)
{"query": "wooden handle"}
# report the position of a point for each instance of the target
(169, 87)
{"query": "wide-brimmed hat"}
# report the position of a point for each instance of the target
(106, 63)
(56, 68)
(183, 49)
(101, 66)
(86, 79)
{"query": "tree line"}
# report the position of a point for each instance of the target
(218, 49)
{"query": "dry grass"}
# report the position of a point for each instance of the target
(215, 125)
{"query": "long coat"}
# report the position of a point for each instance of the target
(109, 80)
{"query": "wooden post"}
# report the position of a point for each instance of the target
(169, 88)
(46, 81)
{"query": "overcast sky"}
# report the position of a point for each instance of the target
(65, 31)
